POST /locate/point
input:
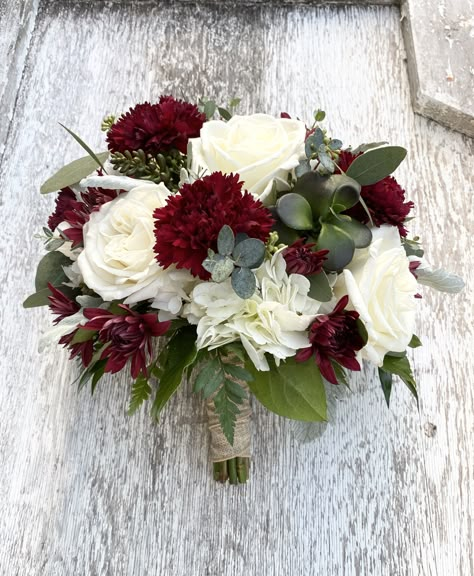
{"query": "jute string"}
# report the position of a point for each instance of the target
(220, 449)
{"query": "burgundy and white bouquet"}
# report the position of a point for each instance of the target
(251, 254)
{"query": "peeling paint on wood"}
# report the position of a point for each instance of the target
(87, 490)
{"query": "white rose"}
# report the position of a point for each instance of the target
(118, 259)
(381, 289)
(260, 148)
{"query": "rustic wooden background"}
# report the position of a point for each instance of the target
(87, 490)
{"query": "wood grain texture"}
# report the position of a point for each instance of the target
(86, 489)
(17, 18)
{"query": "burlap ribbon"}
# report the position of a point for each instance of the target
(220, 449)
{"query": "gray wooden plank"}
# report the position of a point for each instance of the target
(439, 38)
(17, 18)
(85, 489)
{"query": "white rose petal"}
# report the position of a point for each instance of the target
(118, 260)
(260, 148)
(381, 289)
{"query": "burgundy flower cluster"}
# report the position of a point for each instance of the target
(385, 200)
(77, 212)
(190, 222)
(124, 336)
(336, 337)
(300, 258)
(156, 128)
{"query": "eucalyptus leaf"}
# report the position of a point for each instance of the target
(50, 269)
(340, 245)
(249, 253)
(225, 240)
(325, 160)
(313, 142)
(376, 164)
(303, 167)
(335, 144)
(38, 299)
(244, 282)
(295, 212)
(440, 279)
(209, 109)
(81, 143)
(365, 147)
(320, 289)
(222, 268)
(294, 389)
(72, 173)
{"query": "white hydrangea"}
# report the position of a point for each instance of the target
(274, 320)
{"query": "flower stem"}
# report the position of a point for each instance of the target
(236, 470)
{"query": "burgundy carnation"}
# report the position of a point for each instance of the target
(156, 128)
(334, 336)
(300, 258)
(190, 222)
(128, 335)
(83, 349)
(77, 212)
(385, 200)
(60, 304)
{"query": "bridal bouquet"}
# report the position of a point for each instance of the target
(251, 254)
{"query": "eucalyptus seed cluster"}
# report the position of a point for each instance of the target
(156, 168)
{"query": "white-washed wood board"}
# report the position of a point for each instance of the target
(84, 488)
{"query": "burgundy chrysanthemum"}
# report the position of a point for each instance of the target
(83, 349)
(190, 222)
(156, 128)
(334, 336)
(128, 335)
(60, 304)
(385, 200)
(77, 212)
(300, 258)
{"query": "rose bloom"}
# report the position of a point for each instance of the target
(258, 147)
(118, 259)
(382, 290)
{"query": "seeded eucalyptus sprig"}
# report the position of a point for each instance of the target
(236, 256)
(156, 168)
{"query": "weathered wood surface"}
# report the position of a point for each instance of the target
(86, 489)
(439, 38)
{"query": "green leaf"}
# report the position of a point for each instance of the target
(237, 372)
(83, 335)
(235, 102)
(317, 190)
(209, 378)
(224, 113)
(235, 349)
(360, 233)
(303, 167)
(225, 241)
(415, 342)
(335, 144)
(412, 248)
(340, 245)
(249, 253)
(347, 190)
(50, 270)
(386, 382)
(374, 165)
(295, 211)
(81, 143)
(38, 299)
(141, 391)
(325, 159)
(181, 353)
(320, 289)
(401, 367)
(365, 147)
(319, 115)
(209, 109)
(294, 389)
(244, 282)
(72, 173)
(222, 268)
(98, 372)
(313, 142)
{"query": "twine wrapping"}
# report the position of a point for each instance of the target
(220, 449)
